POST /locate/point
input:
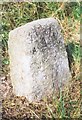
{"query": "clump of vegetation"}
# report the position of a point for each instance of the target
(67, 103)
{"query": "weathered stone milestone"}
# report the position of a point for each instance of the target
(38, 59)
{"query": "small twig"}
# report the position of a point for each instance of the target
(34, 113)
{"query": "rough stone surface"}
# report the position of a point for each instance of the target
(38, 59)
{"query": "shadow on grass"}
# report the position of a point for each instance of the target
(70, 50)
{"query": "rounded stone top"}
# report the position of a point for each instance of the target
(30, 25)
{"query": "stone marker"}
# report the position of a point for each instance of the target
(38, 59)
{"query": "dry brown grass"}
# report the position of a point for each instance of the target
(19, 108)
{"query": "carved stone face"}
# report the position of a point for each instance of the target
(39, 63)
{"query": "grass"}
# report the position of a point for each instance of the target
(66, 104)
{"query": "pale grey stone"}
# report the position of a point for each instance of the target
(38, 59)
